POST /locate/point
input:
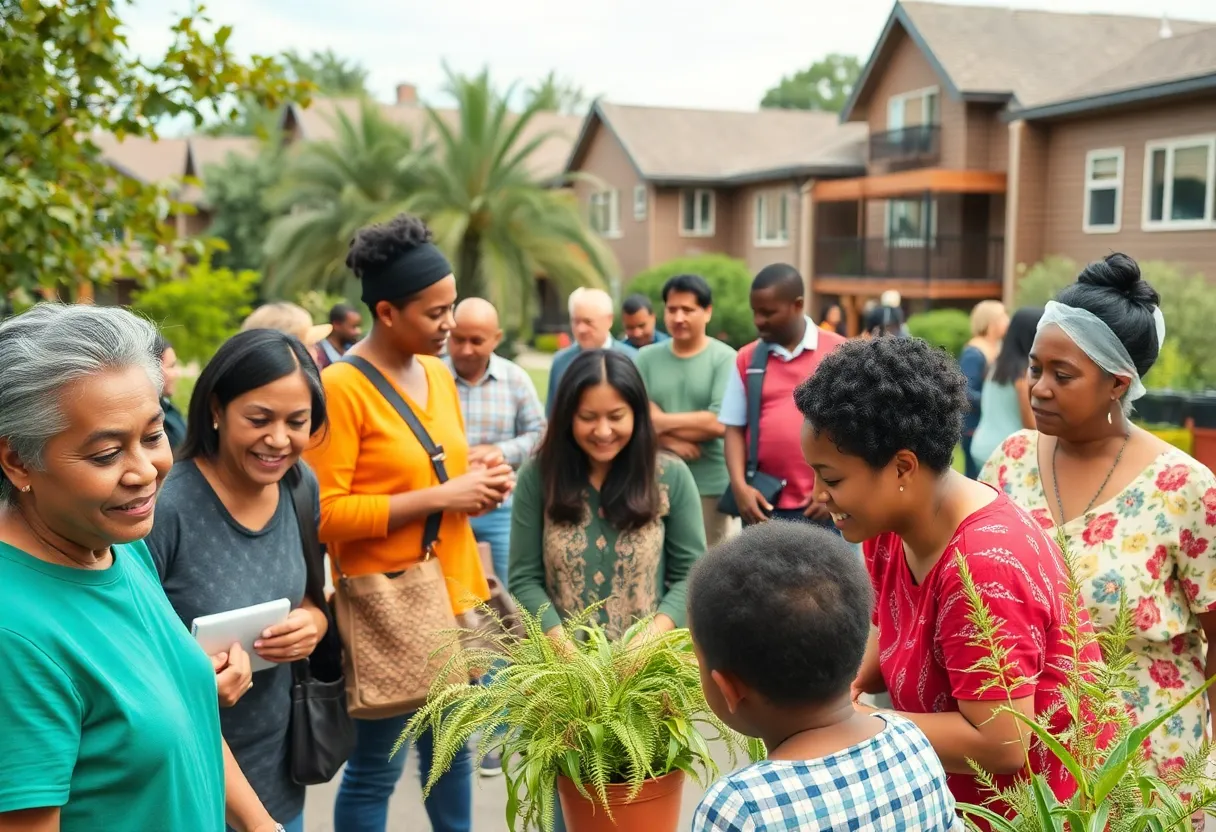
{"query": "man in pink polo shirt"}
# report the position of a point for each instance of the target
(795, 346)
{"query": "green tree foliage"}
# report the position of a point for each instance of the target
(1187, 302)
(235, 191)
(949, 329)
(201, 310)
(66, 73)
(325, 73)
(729, 280)
(328, 191)
(471, 181)
(825, 85)
(556, 94)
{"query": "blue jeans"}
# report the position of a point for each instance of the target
(495, 528)
(370, 777)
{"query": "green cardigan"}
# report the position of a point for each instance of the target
(571, 566)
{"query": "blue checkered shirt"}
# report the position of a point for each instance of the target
(892, 781)
(501, 409)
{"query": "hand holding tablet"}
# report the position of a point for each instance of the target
(218, 632)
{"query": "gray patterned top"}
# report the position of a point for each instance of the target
(208, 563)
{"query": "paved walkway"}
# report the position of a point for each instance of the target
(530, 359)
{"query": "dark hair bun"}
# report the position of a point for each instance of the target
(376, 245)
(1121, 274)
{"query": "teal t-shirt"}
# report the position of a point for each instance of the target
(109, 707)
(687, 385)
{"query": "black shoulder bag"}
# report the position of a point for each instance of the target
(322, 732)
(766, 484)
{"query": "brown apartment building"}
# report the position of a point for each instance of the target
(661, 183)
(998, 137)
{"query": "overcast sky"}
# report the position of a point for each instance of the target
(711, 53)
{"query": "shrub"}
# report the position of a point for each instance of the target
(1187, 302)
(949, 329)
(201, 310)
(729, 280)
(546, 342)
(317, 304)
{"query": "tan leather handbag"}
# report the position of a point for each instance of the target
(394, 625)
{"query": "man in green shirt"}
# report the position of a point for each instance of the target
(686, 377)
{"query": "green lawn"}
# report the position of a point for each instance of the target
(541, 379)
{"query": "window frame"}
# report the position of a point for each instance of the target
(904, 97)
(1170, 147)
(1090, 185)
(781, 198)
(713, 211)
(641, 202)
(613, 231)
(909, 242)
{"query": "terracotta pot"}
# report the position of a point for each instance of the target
(656, 808)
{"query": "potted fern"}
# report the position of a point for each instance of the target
(1103, 754)
(611, 726)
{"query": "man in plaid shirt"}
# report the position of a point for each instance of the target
(780, 618)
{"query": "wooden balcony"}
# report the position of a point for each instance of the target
(968, 265)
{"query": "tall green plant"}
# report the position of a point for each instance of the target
(730, 282)
(199, 310)
(499, 221)
(331, 189)
(1102, 749)
(599, 712)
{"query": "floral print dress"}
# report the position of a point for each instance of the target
(1156, 542)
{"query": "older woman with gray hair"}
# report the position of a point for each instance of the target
(110, 713)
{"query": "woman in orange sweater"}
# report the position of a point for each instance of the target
(378, 486)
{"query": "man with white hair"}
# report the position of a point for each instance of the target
(591, 317)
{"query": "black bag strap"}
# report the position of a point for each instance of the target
(755, 389)
(327, 656)
(430, 531)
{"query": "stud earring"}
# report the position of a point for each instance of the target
(25, 489)
(901, 489)
(215, 425)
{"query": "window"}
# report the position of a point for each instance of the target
(772, 218)
(1103, 191)
(605, 216)
(639, 202)
(906, 223)
(1179, 178)
(913, 109)
(696, 213)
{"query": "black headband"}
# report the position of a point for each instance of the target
(407, 275)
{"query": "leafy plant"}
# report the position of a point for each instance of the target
(317, 304)
(824, 85)
(730, 282)
(68, 75)
(597, 712)
(949, 329)
(1102, 749)
(201, 310)
(235, 191)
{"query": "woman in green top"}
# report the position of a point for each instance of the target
(600, 514)
(110, 718)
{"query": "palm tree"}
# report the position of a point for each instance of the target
(500, 222)
(329, 190)
(557, 94)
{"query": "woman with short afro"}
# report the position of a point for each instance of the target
(882, 420)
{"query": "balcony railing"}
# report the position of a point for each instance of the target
(966, 257)
(919, 144)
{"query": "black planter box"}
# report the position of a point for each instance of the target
(1163, 407)
(1202, 407)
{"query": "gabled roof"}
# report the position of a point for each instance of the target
(674, 146)
(547, 162)
(1170, 66)
(993, 53)
(209, 150)
(149, 160)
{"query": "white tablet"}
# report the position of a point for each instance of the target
(217, 632)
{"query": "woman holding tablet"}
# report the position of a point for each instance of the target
(226, 537)
(110, 716)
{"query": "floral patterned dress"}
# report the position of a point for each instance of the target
(1154, 541)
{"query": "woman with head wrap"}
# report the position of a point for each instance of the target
(1139, 515)
(378, 487)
